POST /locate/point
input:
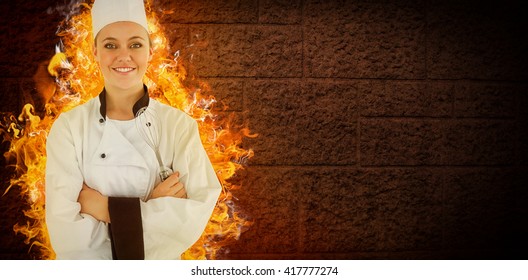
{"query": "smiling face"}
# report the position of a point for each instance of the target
(123, 51)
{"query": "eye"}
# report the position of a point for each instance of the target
(136, 45)
(110, 46)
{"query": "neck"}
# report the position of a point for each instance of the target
(119, 102)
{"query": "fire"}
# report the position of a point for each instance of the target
(78, 79)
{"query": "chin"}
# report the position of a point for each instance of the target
(124, 85)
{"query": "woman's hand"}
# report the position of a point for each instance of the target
(170, 187)
(94, 203)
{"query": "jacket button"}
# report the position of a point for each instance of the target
(103, 155)
(101, 120)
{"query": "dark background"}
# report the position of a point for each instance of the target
(387, 129)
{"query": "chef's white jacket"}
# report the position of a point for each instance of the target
(111, 157)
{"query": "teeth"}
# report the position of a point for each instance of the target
(124, 69)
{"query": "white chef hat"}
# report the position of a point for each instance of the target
(105, 12)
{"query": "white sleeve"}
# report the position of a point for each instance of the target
(73, 235)
(171, 225)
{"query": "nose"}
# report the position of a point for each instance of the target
(124, 56)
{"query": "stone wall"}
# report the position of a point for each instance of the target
(387, 129)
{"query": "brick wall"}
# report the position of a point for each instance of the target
(386, 130)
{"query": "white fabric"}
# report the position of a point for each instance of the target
(105, 12)
(74, 148)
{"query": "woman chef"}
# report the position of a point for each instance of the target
(100, 170)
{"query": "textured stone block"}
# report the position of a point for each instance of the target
(267, 197)
(521, 125)
(470, 40)
(480, 142)
(271, 108)
(300, 124)
(364, 40)
(406, 98)
(326, 123)
(209, 11)
(350, 210)
(247, 51)
(280, 11)
(229, 93)
(31, 37)
(10, 97)
(178, 37)
(480, 210)
(401, 142)
(486, 100)
(5, 26)
(522, 143)
(436, 142)
(339, 211)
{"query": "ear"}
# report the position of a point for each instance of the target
(94, 50)
(151, 53)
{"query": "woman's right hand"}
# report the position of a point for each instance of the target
(170, 187)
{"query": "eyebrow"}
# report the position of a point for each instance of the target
(129, 39)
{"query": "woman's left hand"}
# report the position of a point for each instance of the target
(94, 203)
(172, 186)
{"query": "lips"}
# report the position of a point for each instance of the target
(124, 69)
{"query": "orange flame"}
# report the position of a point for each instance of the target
(78, 79)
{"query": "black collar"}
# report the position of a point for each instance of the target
(142, 102)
